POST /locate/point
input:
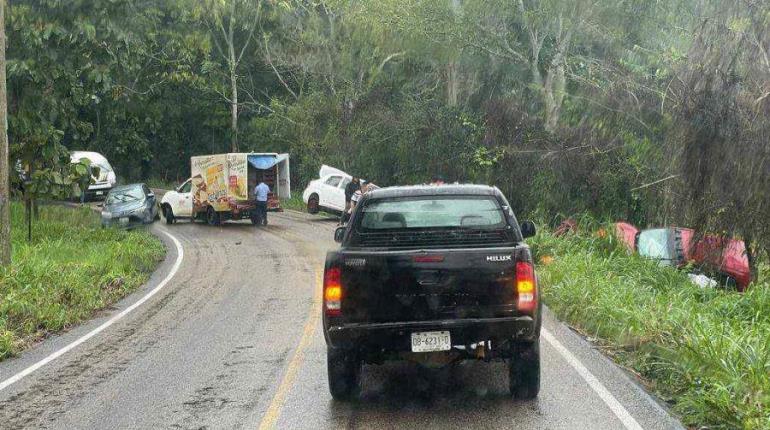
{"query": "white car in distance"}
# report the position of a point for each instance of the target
(327, 193)
(103, 178)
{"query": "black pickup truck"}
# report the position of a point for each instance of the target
(432, 274)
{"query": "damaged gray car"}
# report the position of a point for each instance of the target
(128, 206)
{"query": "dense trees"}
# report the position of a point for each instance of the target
(656, 112)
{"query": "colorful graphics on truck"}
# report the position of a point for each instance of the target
(209, 182)
(237, 181)
(221, 181)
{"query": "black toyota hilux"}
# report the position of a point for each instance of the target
(432, 274)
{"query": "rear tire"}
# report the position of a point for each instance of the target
(524, 371)
(212, 216)
(344, 372)
(312, 204)
(168, 214)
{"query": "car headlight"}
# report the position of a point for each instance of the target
(106, 214)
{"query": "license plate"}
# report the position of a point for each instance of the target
(430, 341)
(124, 220)
(100, 193)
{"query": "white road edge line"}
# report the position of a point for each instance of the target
(620, 412)
(17, 377)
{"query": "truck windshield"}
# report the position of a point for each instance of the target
(432, 212)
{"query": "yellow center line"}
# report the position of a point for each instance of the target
(274, 410)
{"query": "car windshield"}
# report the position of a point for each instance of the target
(124, 195)
(432, 212)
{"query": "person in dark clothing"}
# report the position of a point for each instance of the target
(350, 189)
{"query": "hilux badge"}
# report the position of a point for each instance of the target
(498, 258)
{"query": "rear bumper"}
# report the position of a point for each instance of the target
(396, 337)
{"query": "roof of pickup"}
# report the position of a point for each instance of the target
(433, 190)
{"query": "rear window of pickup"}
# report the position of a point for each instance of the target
(428, 212)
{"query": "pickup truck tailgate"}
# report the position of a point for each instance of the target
(427, 285)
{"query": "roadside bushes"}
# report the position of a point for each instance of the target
(70, 269)
(706, 351)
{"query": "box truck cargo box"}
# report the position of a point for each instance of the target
(222, 185)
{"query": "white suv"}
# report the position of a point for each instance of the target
(328, 192)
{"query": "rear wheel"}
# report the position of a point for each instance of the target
(524, 371)
(344, 371)
(168, 214)
(312, 204)
(212, 216)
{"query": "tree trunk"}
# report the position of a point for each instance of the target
(5, 191)
(452, 84)
(233, 111)
(233, 66)
(553, 95)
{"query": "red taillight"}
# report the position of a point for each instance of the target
(333, 292)
(526, 291)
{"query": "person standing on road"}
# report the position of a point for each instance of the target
(350, 189)
(260, 195)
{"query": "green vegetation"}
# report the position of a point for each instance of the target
(71, 269)
(653, 112)
(707, 351)
(294, 203)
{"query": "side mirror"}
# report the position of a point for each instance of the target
(339, 234)
(528, 229)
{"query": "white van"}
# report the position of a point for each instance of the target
(106, 178)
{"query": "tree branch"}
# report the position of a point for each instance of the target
(275, 70)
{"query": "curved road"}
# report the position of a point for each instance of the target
(234, 341)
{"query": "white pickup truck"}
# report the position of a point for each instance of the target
(328, 192)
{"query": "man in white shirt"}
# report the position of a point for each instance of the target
(260, 195)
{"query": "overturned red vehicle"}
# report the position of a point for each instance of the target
(723, 255)
(627, 234)
(719, 256)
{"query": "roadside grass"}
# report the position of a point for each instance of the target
(294, 203)
(71, 269)
(706, 351)
(162, 183)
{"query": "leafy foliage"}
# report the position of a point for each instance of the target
(705, 350)
(653, 112)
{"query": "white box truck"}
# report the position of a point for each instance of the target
(221, 187)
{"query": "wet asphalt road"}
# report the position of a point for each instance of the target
(234, 341)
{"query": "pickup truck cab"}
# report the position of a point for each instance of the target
(432, 274)
(177, 203)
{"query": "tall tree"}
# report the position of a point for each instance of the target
(232, 26)
(5, 192)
